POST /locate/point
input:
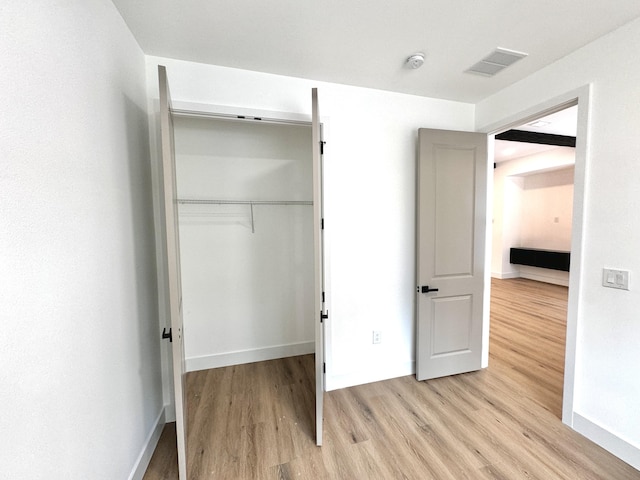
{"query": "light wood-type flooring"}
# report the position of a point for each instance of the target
(256, 421)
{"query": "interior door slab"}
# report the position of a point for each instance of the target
(319, 261)
(451, 225)
(173, 266)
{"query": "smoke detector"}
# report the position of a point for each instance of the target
(415, 61)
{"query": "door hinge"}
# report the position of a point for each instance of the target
(322, 143)
(324, 367)
(322, 224)
(168, 334)
(323, 316)
(322, 297)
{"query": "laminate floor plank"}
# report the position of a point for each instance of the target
(257, 421)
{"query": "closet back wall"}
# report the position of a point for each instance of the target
(247, 277)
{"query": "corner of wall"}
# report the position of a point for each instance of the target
(142, 462)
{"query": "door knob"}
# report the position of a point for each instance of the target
(426, 289)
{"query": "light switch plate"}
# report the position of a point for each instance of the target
(615, 278)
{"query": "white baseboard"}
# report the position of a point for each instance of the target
(142, 462)
(546, 275)
(249, 356)
(170, 411)
(336, 382)
(607, 440)
(503, 275)
(539, 274)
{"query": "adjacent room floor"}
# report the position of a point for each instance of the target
(255, 421)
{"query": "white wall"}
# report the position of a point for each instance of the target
(604, 326)
(81, 387)
(547, 201)
(547, 214)
(247, 280)
(369, 204)
(525, 217)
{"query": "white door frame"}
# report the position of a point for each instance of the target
(232, 113)
(581, 97)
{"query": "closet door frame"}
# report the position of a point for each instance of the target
(222, 112)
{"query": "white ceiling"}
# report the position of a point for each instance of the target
(564, 122)
(366, 43)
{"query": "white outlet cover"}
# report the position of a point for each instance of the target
(612, 278)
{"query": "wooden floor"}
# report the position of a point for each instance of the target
(527, 342)
(256, 421)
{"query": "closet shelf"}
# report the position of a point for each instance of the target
(188, 201)
(251, 203)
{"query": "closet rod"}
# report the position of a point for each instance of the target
(251, 203)
(187, 201)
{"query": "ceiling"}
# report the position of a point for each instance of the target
(564, 122)
(366, 43)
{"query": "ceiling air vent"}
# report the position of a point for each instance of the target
(495, 62)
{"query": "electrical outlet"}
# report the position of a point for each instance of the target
(377, 336)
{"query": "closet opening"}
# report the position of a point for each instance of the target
(246, 225)
(245, 197)
(247, 300)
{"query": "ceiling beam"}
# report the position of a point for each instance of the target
(536, 137)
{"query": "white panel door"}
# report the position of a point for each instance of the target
(173, 265)
(319, 260)
(452, 191)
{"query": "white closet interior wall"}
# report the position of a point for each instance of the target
(247, 271)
